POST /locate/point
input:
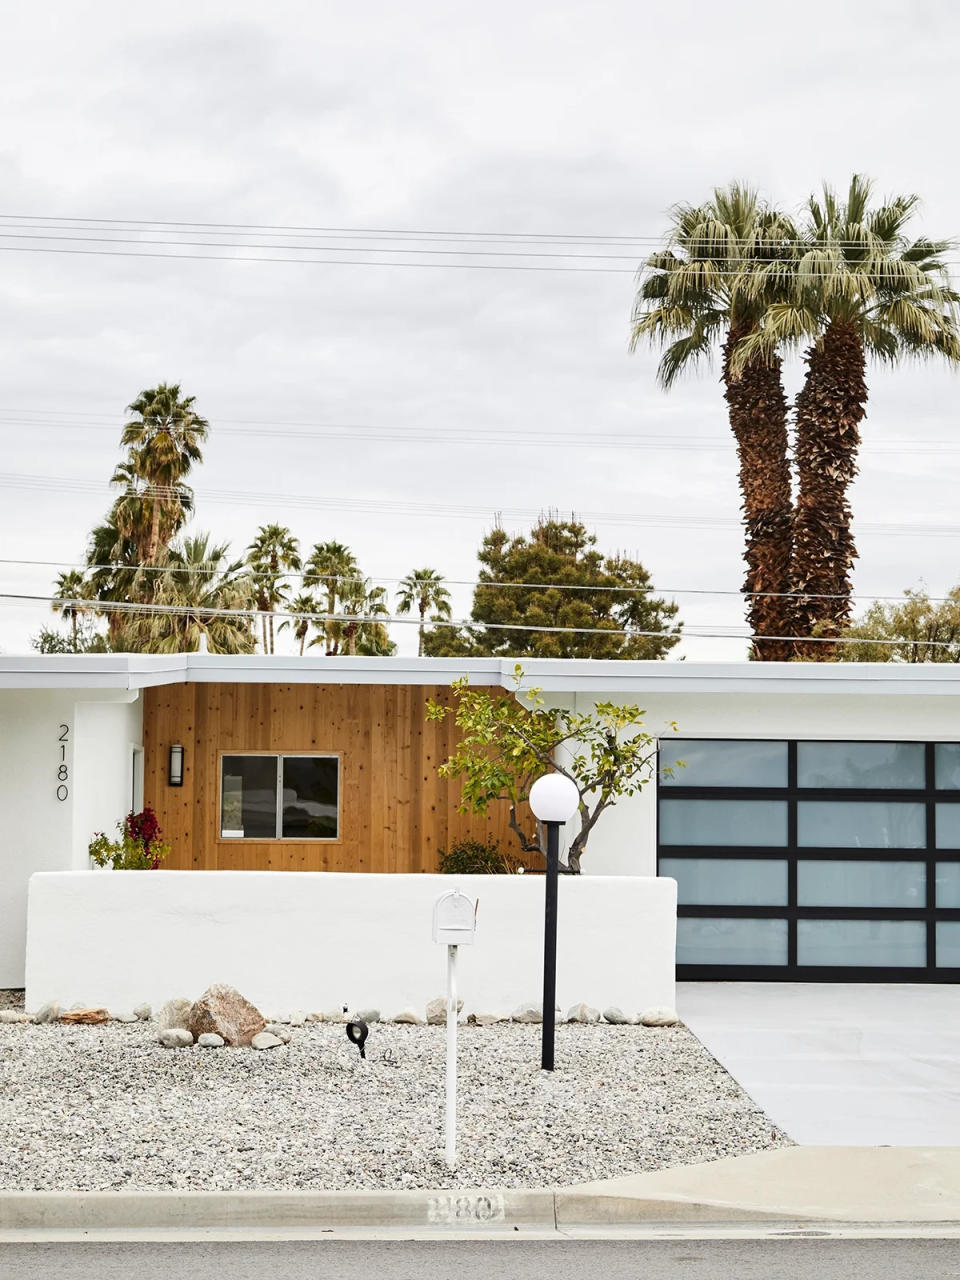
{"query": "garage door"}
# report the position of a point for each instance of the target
(813, 860)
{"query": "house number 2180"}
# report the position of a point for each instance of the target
(63, 772)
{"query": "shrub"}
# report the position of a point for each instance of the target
(139, 848)
(476, 858)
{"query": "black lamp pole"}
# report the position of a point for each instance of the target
(550, 945)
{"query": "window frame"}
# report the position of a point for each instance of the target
(279, 756)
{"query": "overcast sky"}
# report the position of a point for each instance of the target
(572, 119)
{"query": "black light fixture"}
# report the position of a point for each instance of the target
(357, 1033)
(175, 768)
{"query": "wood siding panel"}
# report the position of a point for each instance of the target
(395, 813)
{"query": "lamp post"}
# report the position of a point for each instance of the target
(553, 799)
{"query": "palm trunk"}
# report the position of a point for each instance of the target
(423, 618)
(271, 629)
(757, 410)
(153, 546)
(829, 410)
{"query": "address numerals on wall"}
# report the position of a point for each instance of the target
(63, 770)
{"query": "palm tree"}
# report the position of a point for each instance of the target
(165, 440)
(199, 582)
(300, 618)
(859, 289)
(423, 589)
(361, 601)
(72, 588)
(273, 552)
(333, 568)
(691, 300)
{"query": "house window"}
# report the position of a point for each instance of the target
(275, 797)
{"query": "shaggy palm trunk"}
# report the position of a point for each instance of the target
(829, 410)
(758, 418)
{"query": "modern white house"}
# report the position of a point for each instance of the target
(813, 828)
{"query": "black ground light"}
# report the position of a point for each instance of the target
(357, 1033)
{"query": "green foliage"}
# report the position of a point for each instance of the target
(476, 858)
(139, 847)
(920, 629)
(507, 741)
(557, 579)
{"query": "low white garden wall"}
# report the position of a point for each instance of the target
(319, 940)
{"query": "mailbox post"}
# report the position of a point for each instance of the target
(454, 923)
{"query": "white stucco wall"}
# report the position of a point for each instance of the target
(317, 940)
(38, 831)
(624, 840)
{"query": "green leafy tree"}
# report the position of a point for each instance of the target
(859, 288)
(508, 741)
(423, 590)
(916, 629)
(164, 440)
(553, 595)
(692, 301)
(273, 554)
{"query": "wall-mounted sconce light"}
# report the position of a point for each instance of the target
(175, 771)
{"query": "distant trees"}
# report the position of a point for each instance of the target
(916, 629)
(423, 590)
(273, 554)
(554, 595)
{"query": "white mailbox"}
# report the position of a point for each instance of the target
(454, 919)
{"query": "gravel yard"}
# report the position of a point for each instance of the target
(106, 1108)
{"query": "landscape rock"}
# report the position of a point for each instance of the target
(125, 1017)
(275, 1029)
(143, 1012)
(409, 1016)
(175, 1038)
(583, 1013)
(659, 1018)
(14, 1015)
(314, 1017)
(48, 1013)
(223, 1011)
(264, 1040)
(437, 1010)
(367, 1016)
(335, 1015)
(85, 1017)
(175, 1013)
(527, 1013)
(616, 1016)
(210, 1040)
(486, 1019)
(297, 1018)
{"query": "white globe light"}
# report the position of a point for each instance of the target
(554, 798)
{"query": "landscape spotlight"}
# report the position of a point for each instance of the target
(553, 798)
(357, 1033)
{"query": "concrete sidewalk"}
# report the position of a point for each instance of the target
(874, 1185)
(851, 1064)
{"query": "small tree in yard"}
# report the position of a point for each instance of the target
(509, 741)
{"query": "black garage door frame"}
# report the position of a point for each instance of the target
(792, 971)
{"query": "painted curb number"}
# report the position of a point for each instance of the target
(451, 1210)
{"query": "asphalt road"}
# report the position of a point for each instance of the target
(806, 1259)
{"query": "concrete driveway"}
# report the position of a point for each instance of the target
(840, 1063)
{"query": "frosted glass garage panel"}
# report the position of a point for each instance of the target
(948, 884)
(948, 944)
(728, 882)
(861, 884)
(890, 765)
(862, 943)
(948, 826)
(723, 822)
(707, 940)
(947, 771)
(723, 764)
(861, 824)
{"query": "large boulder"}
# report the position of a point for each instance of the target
(175, 1014)
(222, 1011)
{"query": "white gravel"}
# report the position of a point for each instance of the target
(107, 1108)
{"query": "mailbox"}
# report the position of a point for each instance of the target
(454, 919)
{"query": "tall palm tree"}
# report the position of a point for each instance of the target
(691, 300)
(199, 582)
(332, 568)
(165, 440)
(360, 602)
(859, 289)
(300, 618)
(424, 590)
(273, 553)
(72, 588)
